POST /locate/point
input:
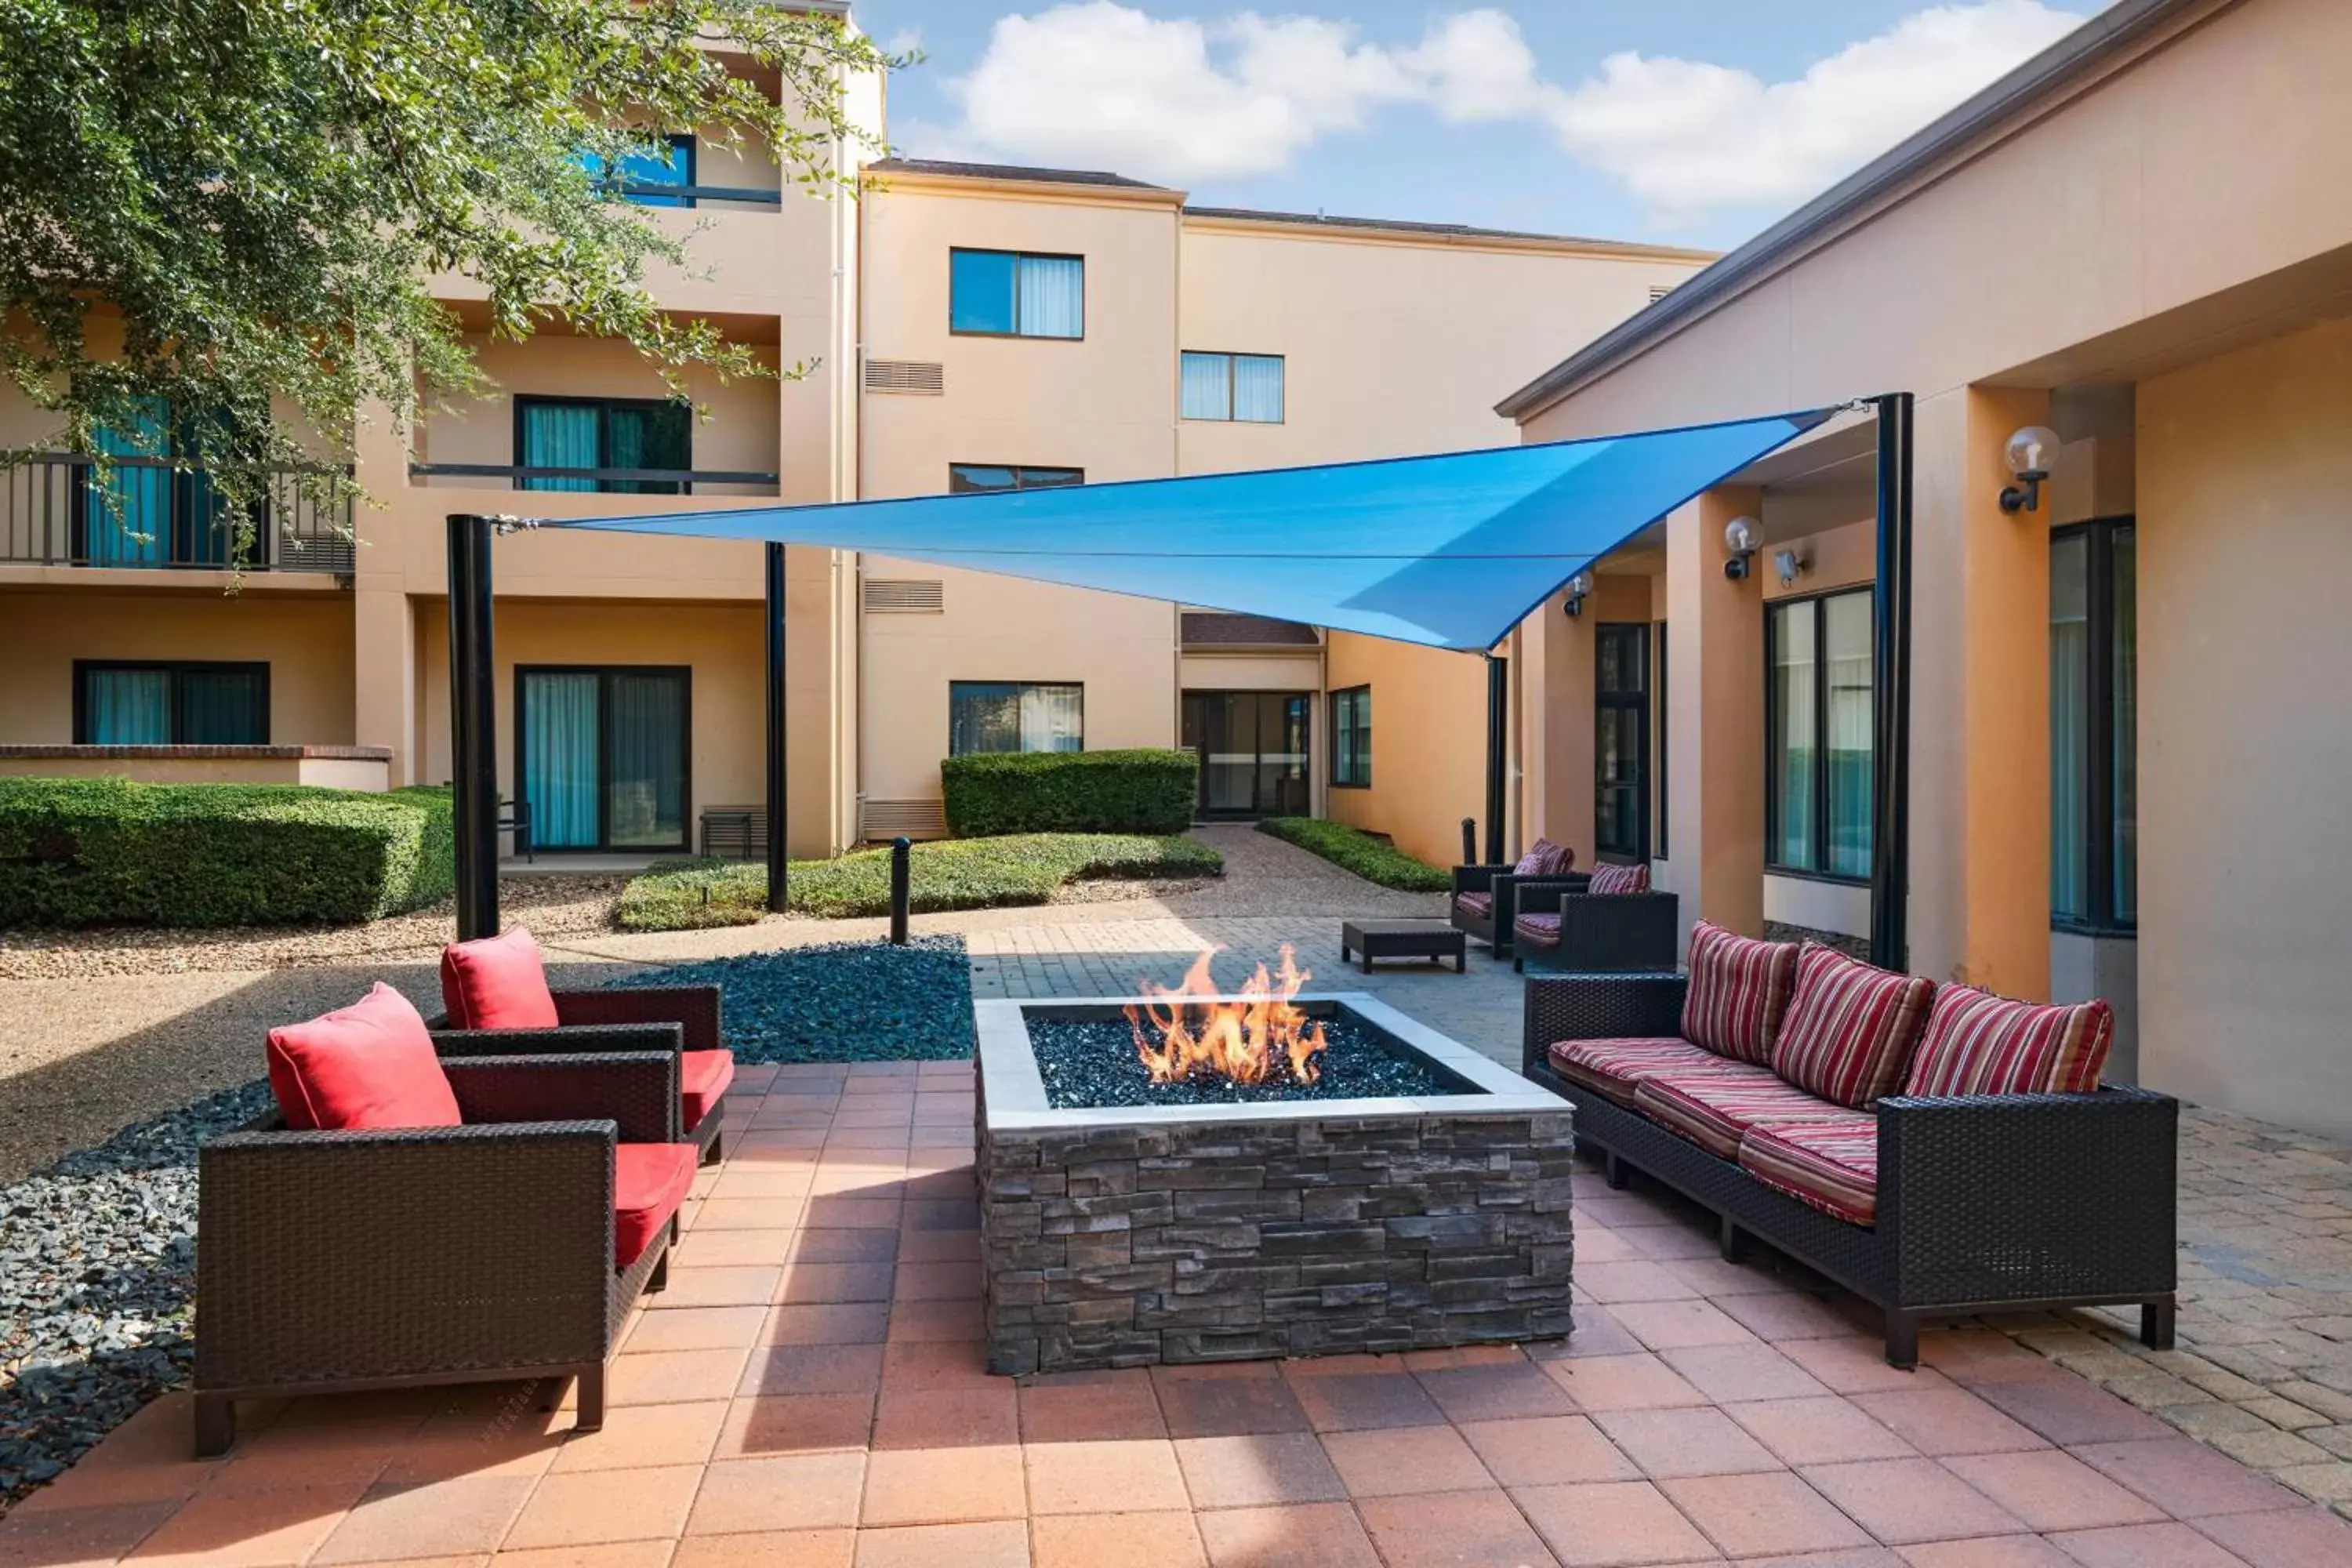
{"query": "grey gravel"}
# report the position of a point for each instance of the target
(1090, 1063)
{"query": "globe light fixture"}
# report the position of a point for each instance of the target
(1741, 536)
(2033, 453)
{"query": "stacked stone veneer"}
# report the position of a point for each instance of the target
(1125, 1244)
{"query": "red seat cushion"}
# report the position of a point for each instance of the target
(1738, 989)
(1977, 1043)
(649, 1180)
(1478, 906)
(1608, 878)
(1545, 859)
(1715, 1109)
(1614, 1067)
(367, 1065)
(1851, 1028)
(703, 1077)
(1832, 1165)
(497, 983)
(1541, 929)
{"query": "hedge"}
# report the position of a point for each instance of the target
(79, 852)
(998, 793)
(953, 874)
(1352, 849)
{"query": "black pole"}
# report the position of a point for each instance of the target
(779, 857)
(473, 727)
(1890, 816)
(1498, 718)
(1470, 841)
(901, 848)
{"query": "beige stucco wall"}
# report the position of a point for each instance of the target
(326, 773)
(1429, 743)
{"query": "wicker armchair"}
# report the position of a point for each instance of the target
(674, 1018)
(2000, 1203)
(1594, 932)
(335, 1262)
(1487, 898)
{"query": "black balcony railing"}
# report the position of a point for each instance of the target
(62, 509)
(607, 481)
(654, 193)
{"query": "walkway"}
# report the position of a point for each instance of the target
(809, 1391)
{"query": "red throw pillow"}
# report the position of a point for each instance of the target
(1977, 1043)
(367, 1065)
(1608, 878)
(1850, 1028)
(1738, 989)
(1545, 859)
(497, 983)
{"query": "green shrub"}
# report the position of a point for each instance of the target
(953, 874)
(999, 793)
(78, 852)
(1353, 849)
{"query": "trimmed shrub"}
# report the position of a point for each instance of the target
(1352, 849)
(953, 874)
(1070, 792)
(79, 852)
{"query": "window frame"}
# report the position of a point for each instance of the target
(680, 141)
(1816, 600)
(1018, 256)
(1636, 702)
(1658, 716)
(1232, 359)
(604, 406)
(1018, 471)
(604, 674)
(2099, 706)
(1077, 686)
(1364, 690)
(172, 669)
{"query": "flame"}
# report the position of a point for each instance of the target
(1191, 1030)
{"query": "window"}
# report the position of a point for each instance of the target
(1253, 750)
(1666, 688)
(2094, 726)
(643, 433)
(1007, 294)
(1244, 388)
(601, 755)
(1818, 735)
(1351, 738)
(1016, 716)
(1621, 740)
(964, 478)
(178, 704)
(643, 174)
(145, 511)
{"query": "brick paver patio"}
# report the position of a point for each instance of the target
(809, 1392)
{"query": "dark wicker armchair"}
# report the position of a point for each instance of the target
(674, 1018)
(336, 1262)
(1485, 898)
(1554, 928)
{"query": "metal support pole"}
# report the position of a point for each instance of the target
(1470, 841)
(901, 878)
(1498, 718)
(779, 848)
(473, 727)
(1890, 811)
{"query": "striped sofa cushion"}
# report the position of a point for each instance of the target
(1541, 929)
(1615, 1068)
(1545, 859)
(1977, 1043)
(1738, 989)
(1608, 878)
(1850, 1028)
(1832, 1165)
(1716, 1107)
(1478, 906)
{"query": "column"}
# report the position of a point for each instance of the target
(384, 627)
(1715, 714)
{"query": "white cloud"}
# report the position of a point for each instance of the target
(1104, 85)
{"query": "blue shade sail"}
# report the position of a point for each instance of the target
(1447, 552)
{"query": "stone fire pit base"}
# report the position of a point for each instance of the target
(1128, 1238)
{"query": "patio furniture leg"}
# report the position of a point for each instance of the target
(1732, 1241)
(2156, 1324)
(1612, 1171)
(718, 1149)
(659, 1280)
(591, 1399)
(1902, 1339)
(215, 1425)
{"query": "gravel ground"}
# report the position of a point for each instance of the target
(839, 1002)
(1090, 1063)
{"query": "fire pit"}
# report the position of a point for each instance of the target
(1184, 1175)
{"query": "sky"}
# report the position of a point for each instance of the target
(1679, 121)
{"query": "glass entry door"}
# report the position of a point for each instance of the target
(1621, 740)
(1253, 747)
(601, 756)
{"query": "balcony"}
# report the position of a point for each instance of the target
(152, 514)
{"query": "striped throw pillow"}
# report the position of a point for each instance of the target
(1738, 989)
(1977, 1043)
(1545, 859)
(1850, 1028)
(1609, 879)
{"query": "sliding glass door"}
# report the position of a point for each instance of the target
(1621, 740)
(601, 756)
(1253, 747)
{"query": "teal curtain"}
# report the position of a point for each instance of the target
(203, 528)
(127, 516)
(644, 787)
(648, 436)
(219, 708)
(559, 435)
(2070, 727)
(1795, 742)
(1847, 633)
(127, 708)
(560, 751)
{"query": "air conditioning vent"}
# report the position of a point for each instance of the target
(1659, 292)
(923, 377)
(904, 596)
(883, 819)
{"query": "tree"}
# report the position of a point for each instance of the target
(232, 207)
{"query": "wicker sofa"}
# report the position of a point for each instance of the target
(1485, 898)
(1931, 1205)
(1590, 929)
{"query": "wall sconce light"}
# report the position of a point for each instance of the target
(1791, 565)
(1579, 586)
(1740, 537)
(2033, 453)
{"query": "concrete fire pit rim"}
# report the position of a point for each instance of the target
(1016, 1091)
